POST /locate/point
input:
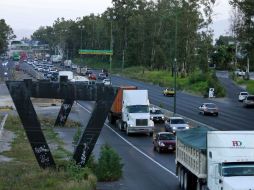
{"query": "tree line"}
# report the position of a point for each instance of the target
(151, 34)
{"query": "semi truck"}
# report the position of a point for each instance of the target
(130, 111)
(207, 159)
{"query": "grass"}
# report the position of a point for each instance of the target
(162, 78)
(197, 83)
(23, 171)
(248, 83)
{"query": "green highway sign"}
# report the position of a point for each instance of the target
(95, 52)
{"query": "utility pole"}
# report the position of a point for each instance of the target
(111, 43)
(81, 27)
(175, 61)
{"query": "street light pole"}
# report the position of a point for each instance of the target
(175, 62)
(111, 47)
(111, 43)
(81, 27)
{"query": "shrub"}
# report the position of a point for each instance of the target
(109, 166)
(76, 172)
(76, 137)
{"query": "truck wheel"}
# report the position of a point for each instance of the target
(127, 131)
(186, 181)
(181, 178)
(178, 173)
(198, 185)
(119, 124)
(111, 118)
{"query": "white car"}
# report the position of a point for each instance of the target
(174, 124)
(239, 72)
(156, 115)
(106, 82)
(242, 96)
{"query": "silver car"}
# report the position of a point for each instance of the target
(174, 124)
(209, 108)
(248, 101)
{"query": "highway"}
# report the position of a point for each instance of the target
(147, 169)
(232, 115)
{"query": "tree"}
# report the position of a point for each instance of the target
(243, 26)
(6, 34)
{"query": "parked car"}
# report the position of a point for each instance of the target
(169, 92)
(156, 115)
(174, 124)
(106, 81)
(164, 141)
(242, 96)
(248, 101)
(209, 108)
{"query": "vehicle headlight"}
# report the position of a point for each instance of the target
(130, 125)
(187, 127)
(151, 117)
(161, 144)
(163, 117)
(174, 128)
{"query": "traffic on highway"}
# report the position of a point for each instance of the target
(160, 149)
(172, 80)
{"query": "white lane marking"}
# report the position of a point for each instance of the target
(133, 146)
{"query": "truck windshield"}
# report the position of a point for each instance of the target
(238, 169)
(138, 109)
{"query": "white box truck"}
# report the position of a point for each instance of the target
(135, 115)
(56, 58)
(69, 74)
(215, 160)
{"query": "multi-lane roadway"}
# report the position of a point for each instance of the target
(146, 169)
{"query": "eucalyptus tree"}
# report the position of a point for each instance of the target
(243, 27)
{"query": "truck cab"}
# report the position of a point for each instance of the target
(230, 161)
(135, 112)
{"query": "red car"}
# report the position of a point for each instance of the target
(164, 141)
(92, 77)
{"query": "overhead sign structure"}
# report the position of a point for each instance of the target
(95, 52)
(22, 91)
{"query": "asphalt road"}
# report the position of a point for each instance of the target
(146, 169)
(232, 115)
(143, 167)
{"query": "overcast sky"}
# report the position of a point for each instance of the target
(25, 16)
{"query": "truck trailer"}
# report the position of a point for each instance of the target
(207, 159)
(130, 111)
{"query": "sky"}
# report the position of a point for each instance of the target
(25, 16)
